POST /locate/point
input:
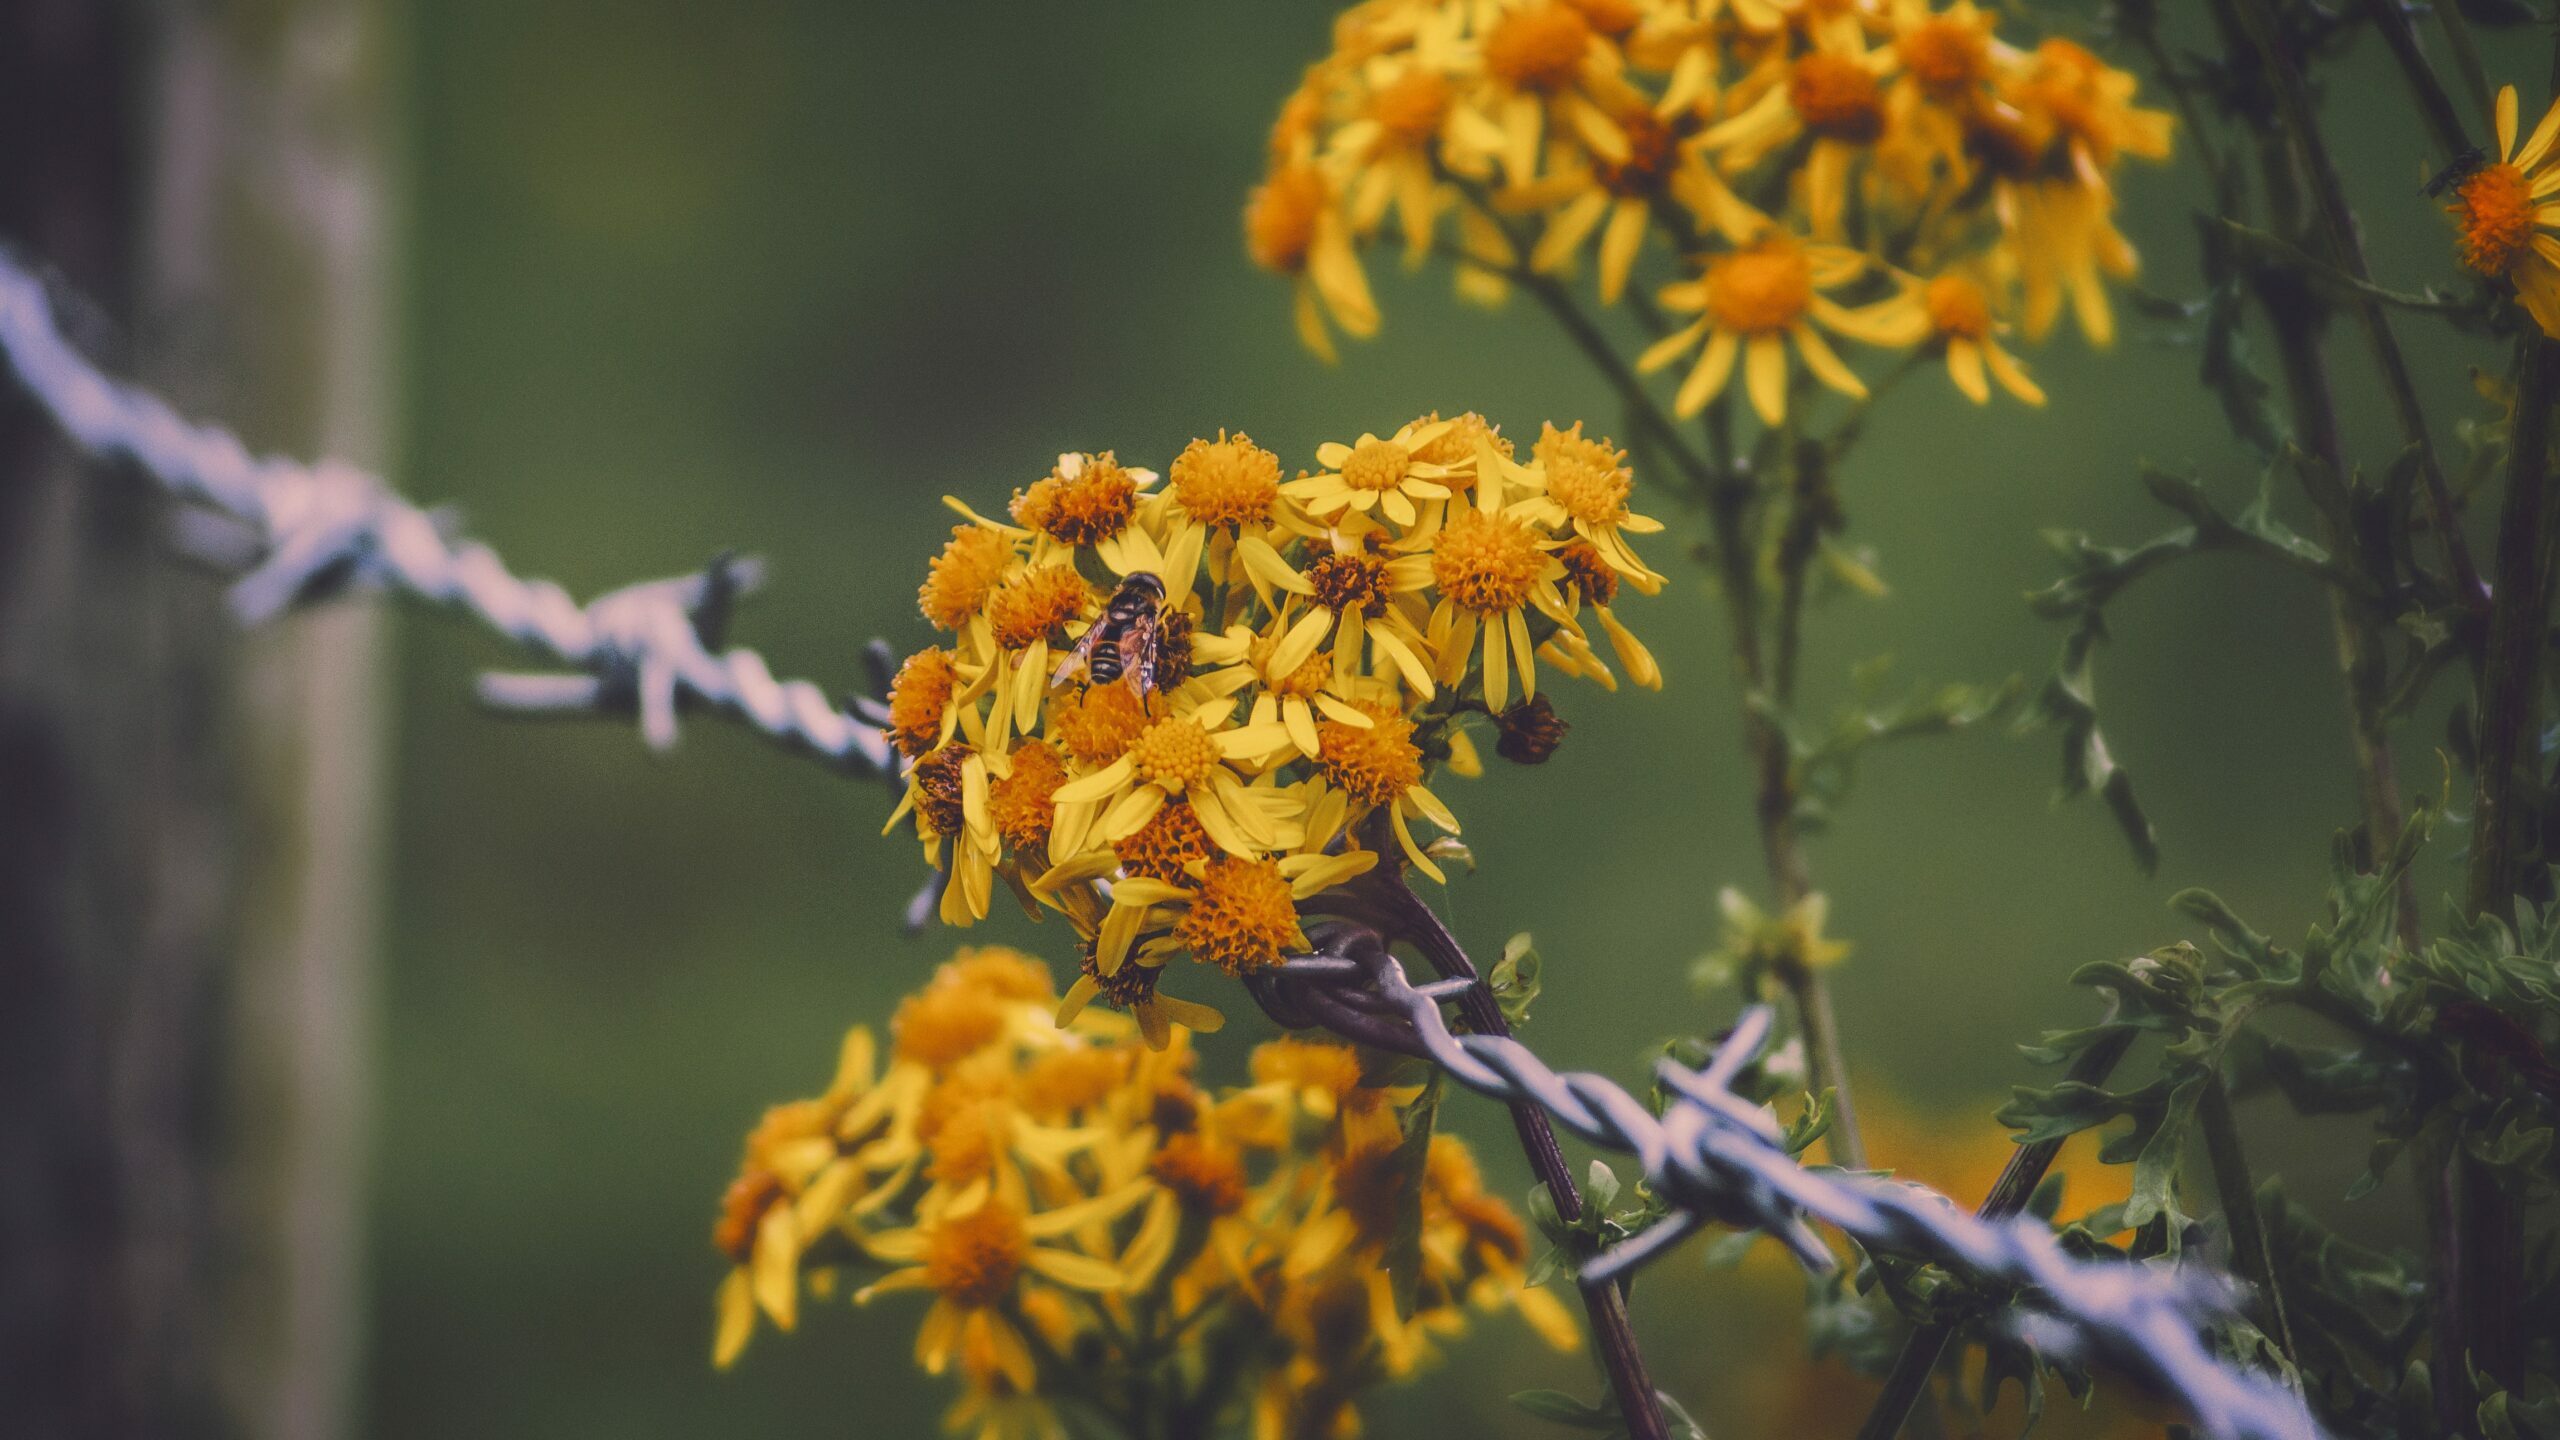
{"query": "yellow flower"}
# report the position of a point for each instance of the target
(1294, 226)
(804, 1164)
(1953, 309)
(1375, 474)
(975, 1261)
(1192, 755)
(2505, 212)
(1753, 301)
(1833, 96)
(1490, 564)
(1376, 765)
(1581, 484)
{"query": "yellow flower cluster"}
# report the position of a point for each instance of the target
(1178, 714)
(1093, 1224)
(1878, 170)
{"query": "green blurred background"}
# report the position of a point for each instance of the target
(780, 273)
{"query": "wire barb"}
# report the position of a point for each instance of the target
(1714, 1157)
(316, 530)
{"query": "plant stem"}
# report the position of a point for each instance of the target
(2475, 1297)
(1729, 496)
(2239, 1197)
(2443, 121)
(1909, 1378)
(1612, 1332)
(2319, 175)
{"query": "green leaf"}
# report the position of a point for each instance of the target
(1515, 979)
(1563, 1409)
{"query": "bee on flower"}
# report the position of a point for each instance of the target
(1178, 716)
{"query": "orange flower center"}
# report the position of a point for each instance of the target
(1000, 970)
(1176, 754)
(2495, 208)
(1589, 478)
(1280, 219)
(1169, 841)
(941, 1025)
(1307, 1065)
(1243, 917)
(1376, 465)
(959, 579)
(1062, 1082)
(1610, 17)
(1945, 55)
(1411, 106)
(1762, 291)
(1375, 765)
(1020, 804)
(1208, 1179)
(1537, 49)
(1958, 308)
(1036, 604)
(1487, 563)
(1100, 725)
(1090, 505)
(1836, 96)
(1226, 481)
(918, 698)
(974, 1259)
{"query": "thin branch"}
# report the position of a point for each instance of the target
(2239, 1196)
(2337, 220)
(1908, 1380)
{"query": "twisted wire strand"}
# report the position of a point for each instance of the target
(319, 528)
(648, 648)
(1715, 1157)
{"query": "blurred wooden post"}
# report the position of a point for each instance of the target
(188, 819)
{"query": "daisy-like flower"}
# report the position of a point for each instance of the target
(1753, 301)
(804, 1164)
(1539, 56)
(1294, 226)
(1403, 131)
(2061, 216)
(978, 1260)
(1380, 474)
(1954, 310)
(1298, 678)
(1490, 564)
(1192, 755)
(967, 571)
(921, 710)
(2505, 213)
(1616, 198)
(1376, 766)
(1833, 93)
(1086, 502)
(1581, 484)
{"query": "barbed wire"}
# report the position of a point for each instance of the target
(1716, 1158)
(316, 530)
